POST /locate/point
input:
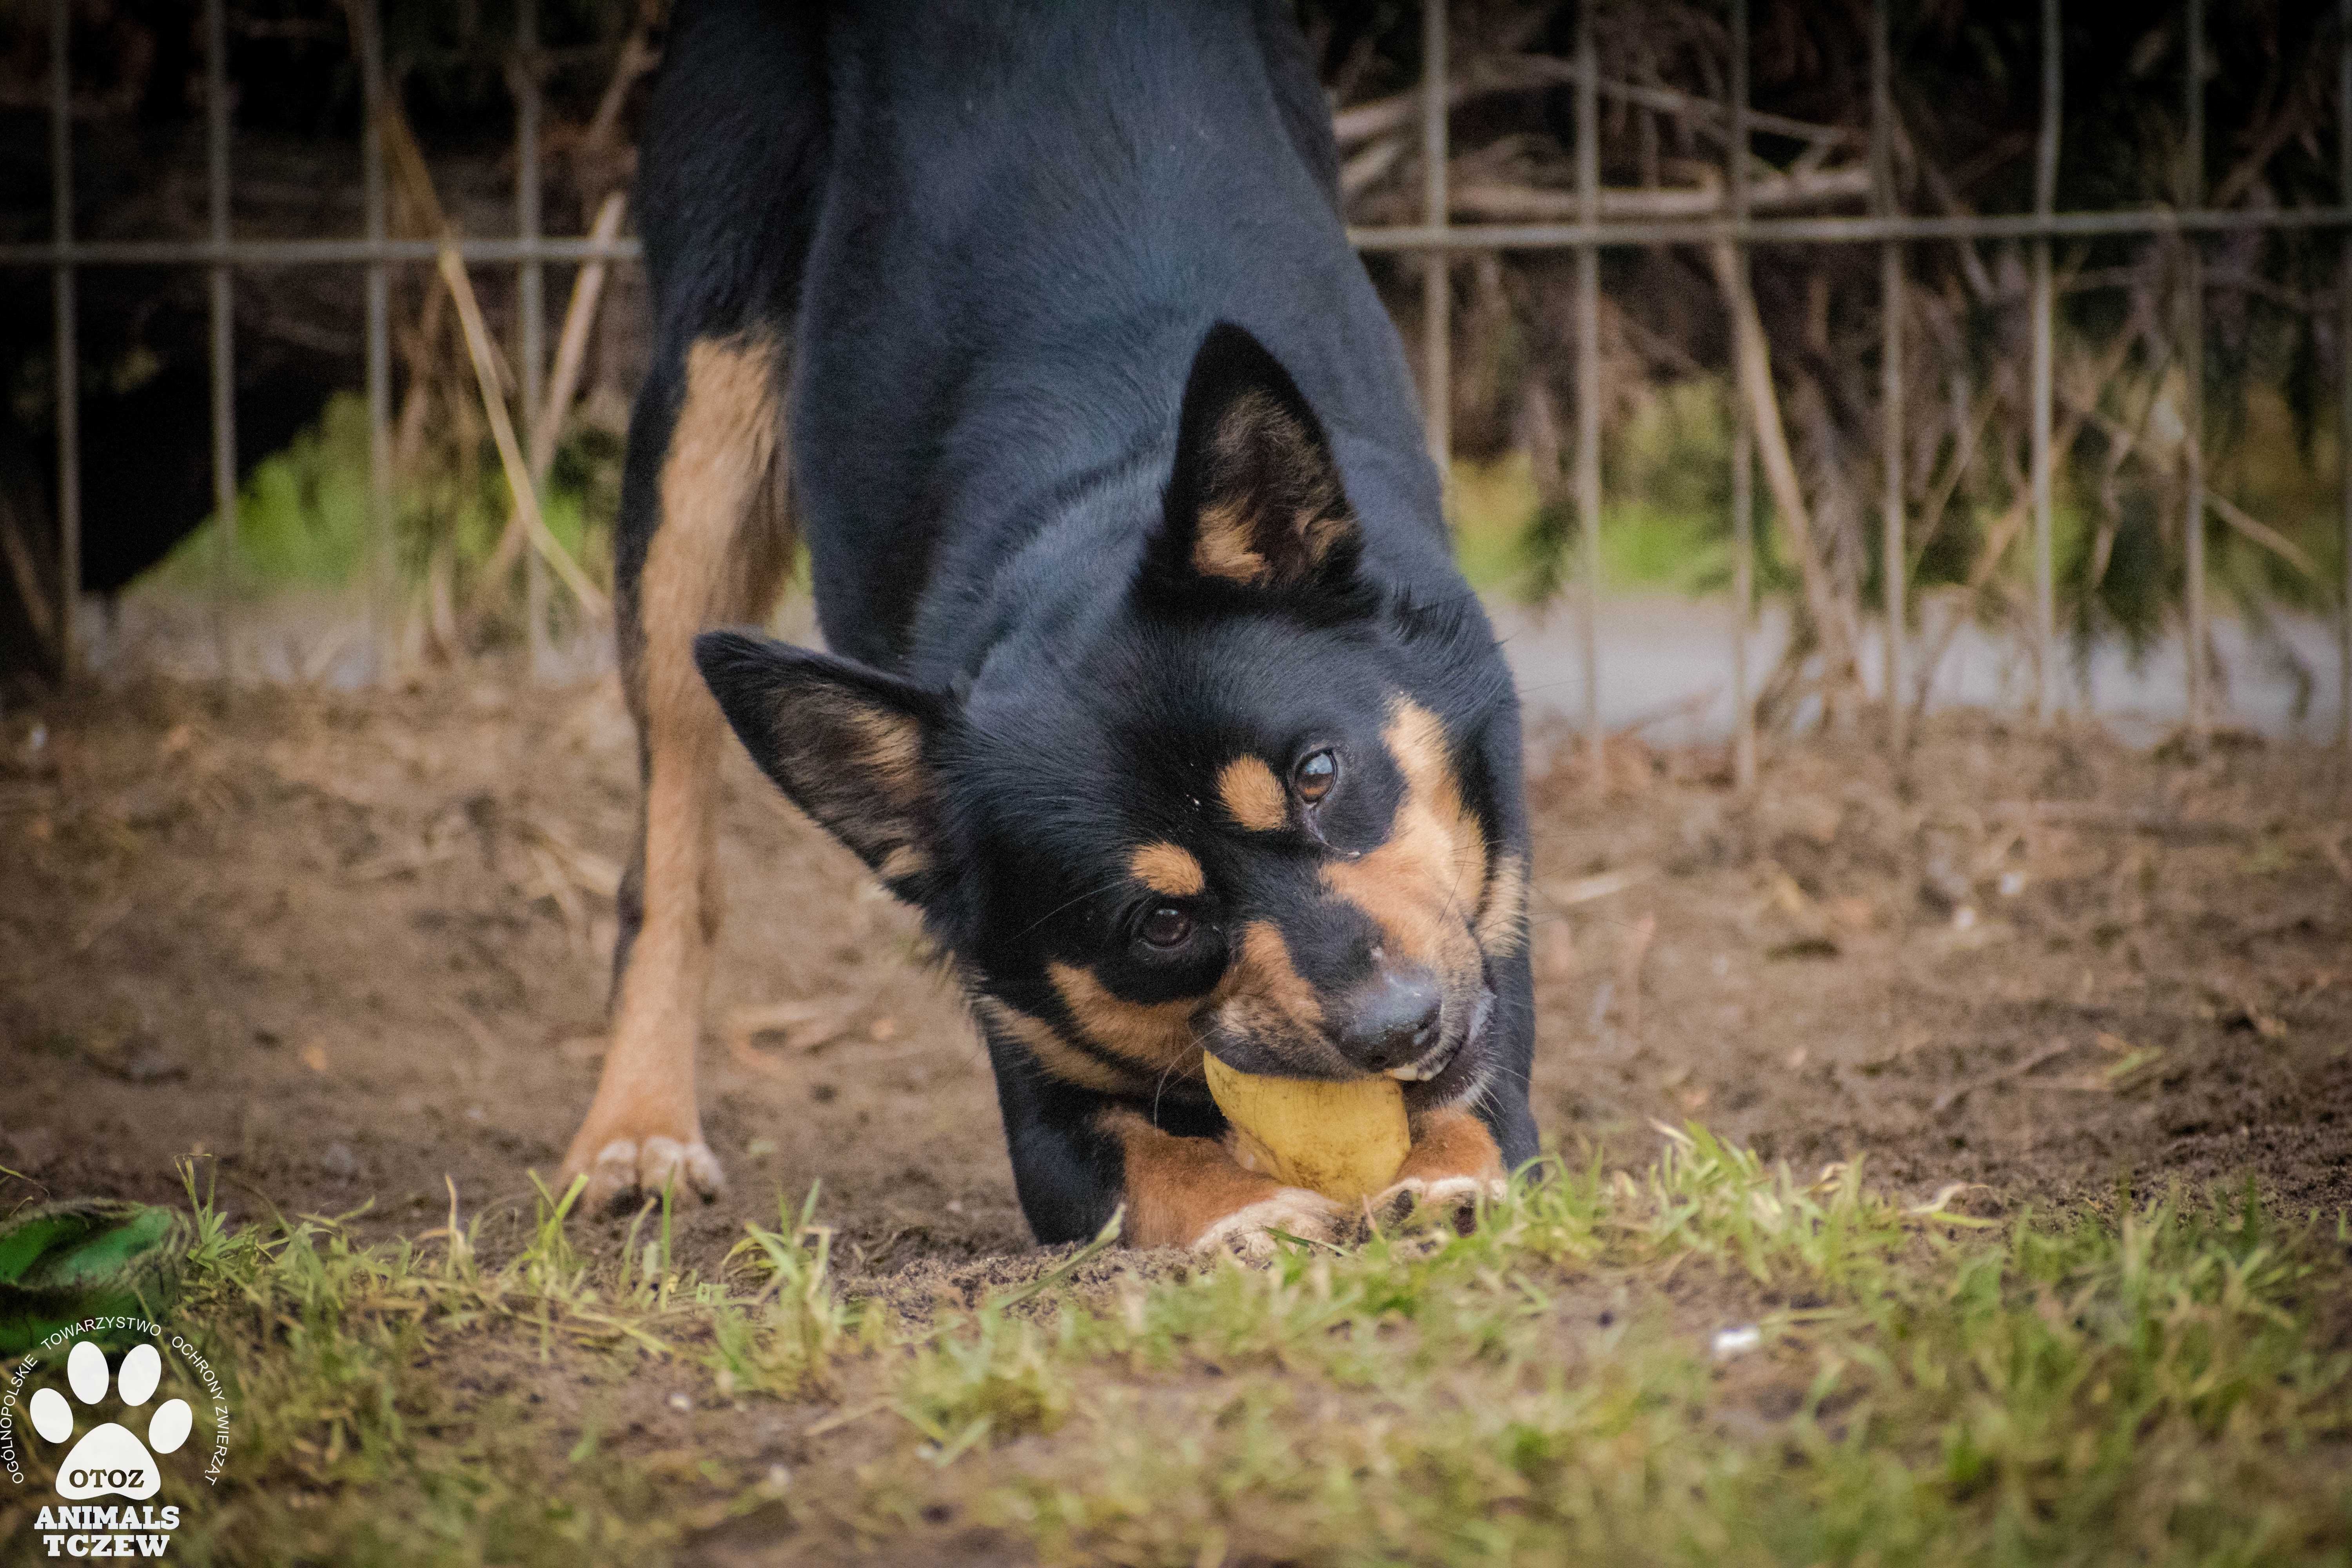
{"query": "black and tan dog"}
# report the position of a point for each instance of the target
(1154, 685)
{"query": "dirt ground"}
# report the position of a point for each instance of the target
(352, 949)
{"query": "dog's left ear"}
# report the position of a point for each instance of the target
(851, 746)
(1254, 502)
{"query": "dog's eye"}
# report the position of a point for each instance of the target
(1315, 776)
(1166, 926)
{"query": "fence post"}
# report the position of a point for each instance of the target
(67, 347)
(1588, 384)
(1892, 549)
(1743, 438)
(2344, 374)
(2192, 362)
(224, 312)
(1436, 307)
(368, 25)
(2045, 195)
(530, 284)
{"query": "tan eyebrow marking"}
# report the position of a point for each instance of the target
(1168, 868)
(1252, 794)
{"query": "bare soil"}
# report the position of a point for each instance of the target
(351, 952)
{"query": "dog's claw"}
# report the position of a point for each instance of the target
(1450, 1201)
(627, 1168)
(1252, 1232)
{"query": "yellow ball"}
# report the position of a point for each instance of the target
(1345, 1140)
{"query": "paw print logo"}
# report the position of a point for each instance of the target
(108, 1459)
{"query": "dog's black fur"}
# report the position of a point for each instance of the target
(1107, 460)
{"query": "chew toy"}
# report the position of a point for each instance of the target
(1345, 1140)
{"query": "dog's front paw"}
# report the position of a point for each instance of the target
(1431, 1201)
(622, 1169)
(1255, 1232)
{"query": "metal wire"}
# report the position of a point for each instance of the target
(2343, 377)
(530, 284)
(65, 349)
(369, 26)
(1436, 305)
(220, 283)
(1858, 230)
(1588, 395)
(2192, 357)
(2045, 195)
(1743, 443)
(1893, 550)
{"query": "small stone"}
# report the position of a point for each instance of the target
(338, 1161)
(1738, 1340)
(30, 1150)
(681, 1403)
(139, 1059)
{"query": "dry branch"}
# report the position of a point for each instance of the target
(1530, 204)
(494, 407)
(29, 580)
(1753, 355)
(1519, 73)
(571, 356)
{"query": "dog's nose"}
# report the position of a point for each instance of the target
(1392, 1020)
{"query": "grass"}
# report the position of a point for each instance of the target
(2168, 1381)
(302, 512)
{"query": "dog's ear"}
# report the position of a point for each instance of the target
(849, 744)
(1254, 502)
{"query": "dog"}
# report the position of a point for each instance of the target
(1152, 683)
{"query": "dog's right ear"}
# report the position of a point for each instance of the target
(851, 746)
(1254, 507)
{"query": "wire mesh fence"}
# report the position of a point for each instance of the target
(1718, 221)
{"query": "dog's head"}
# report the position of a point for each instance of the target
(1250, 808)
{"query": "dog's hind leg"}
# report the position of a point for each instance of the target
(705, 541)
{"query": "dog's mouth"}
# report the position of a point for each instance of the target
(1444, 1073)
(1447, 1071)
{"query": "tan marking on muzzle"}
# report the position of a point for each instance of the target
(1253, 796)
(1263, 985)
(1421, 886)
(1168, 868)
(1261, 995)
(1502, 927)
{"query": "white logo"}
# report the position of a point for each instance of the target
(109, 1460)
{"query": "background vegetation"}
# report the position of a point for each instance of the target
(1967, 106)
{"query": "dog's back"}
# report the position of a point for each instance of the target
(1020, 218)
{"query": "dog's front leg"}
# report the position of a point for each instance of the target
(1188, 1192)
(718, 547)
(1079, 1155)
(1454, 1163)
